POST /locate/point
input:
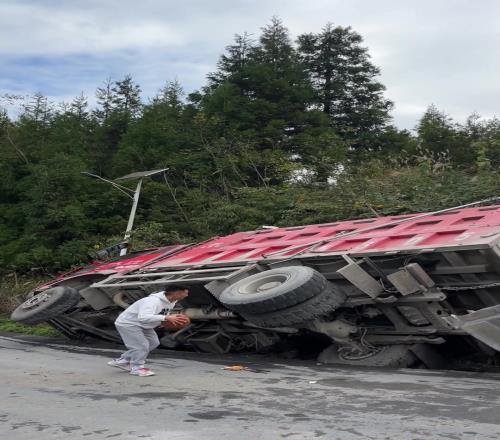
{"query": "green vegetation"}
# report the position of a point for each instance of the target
(7, 326)
(13, 287)
(283, 133)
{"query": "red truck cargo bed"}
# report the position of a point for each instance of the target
(464, 228)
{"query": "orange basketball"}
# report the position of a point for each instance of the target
(182, 321)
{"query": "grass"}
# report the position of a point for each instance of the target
(8, 326)
(12, 288)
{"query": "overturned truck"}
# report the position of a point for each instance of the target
(400, 291)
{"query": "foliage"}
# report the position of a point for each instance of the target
(345, 82)
(13, 287)
(283, 133)
(8, 326)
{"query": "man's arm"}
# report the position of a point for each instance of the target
(147, 315)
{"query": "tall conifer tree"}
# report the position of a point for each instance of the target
(345, 81)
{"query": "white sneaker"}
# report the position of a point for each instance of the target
(141, 371)
(123, 364)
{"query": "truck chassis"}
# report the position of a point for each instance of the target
(421, 289)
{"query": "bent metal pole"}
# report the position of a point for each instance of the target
(131, 217)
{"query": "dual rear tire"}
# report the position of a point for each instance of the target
(288, 296)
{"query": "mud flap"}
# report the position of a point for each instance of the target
(483, 324)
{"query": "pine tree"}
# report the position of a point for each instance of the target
(104, 97)
(439, 134)
(79, 107)
(126, 97)
(260, 91)
(275, 48)
(345, 81)
(119, 105)
(233, 61)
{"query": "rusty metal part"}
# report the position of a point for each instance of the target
(119, 300)
(198, 313)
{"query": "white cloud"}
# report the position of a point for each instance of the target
(33, 29)
(443, 52)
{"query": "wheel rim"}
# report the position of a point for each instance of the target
(268, 286)
(264, 284)
(35, 301)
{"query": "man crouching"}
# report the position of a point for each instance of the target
(136, 327)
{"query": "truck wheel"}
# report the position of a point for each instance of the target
(274, 289)
(389, 356)
(327, 301)
(46, 305)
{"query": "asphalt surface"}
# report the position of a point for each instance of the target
(52, 389)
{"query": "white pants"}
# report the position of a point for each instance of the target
(139, 341)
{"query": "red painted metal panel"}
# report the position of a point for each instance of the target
(120, 265)
(465, 227)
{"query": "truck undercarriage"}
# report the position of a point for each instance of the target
(418, 296)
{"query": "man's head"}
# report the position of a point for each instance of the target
(176, 292)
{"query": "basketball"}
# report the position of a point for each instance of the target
(181, 322)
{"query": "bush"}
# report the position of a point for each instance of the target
(12, 290)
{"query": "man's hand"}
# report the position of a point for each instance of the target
(177, 319)
(176, 322)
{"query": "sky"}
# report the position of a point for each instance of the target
(441, 52)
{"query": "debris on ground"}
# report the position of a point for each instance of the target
(236, 368)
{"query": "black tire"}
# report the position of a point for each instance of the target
(46, 305)
(274, 289)
(388, 356)
(327, 301)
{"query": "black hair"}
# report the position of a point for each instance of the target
(175, 288)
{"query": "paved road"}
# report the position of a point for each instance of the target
(54, 390)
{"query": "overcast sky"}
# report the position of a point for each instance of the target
(442, 52)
